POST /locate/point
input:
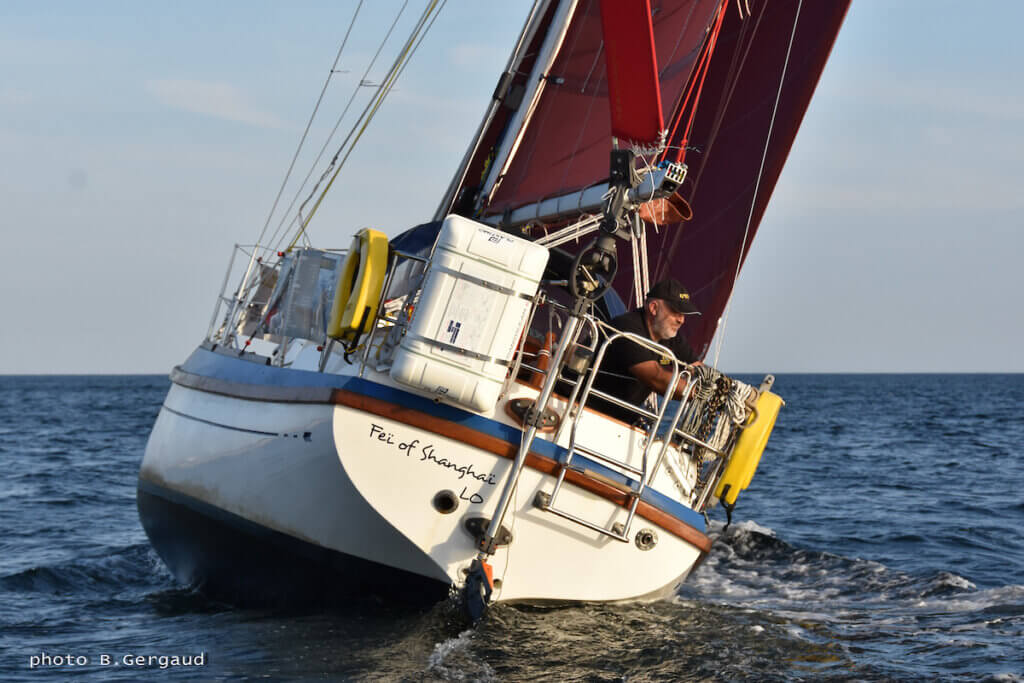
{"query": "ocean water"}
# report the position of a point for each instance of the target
(880, 540)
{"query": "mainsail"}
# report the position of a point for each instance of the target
(565, 143)
(549, 130)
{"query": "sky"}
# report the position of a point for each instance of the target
(141, 141)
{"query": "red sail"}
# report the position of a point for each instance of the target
(632, 70)
(566, 144)
(730, 133)
(567, 138)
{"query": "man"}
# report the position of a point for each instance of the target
(630, 371)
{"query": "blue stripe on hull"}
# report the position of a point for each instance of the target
(234, 559)
(233, 369)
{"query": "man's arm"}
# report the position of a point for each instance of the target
(656, 377)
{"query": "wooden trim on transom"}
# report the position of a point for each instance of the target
(502, 448)
(437, 425)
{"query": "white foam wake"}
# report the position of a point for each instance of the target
(453, 660)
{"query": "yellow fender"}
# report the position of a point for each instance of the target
(359, 285)
(749, 447)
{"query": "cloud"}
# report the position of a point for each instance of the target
(15, 97)
(219, 100)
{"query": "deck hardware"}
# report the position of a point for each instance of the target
(646, 539)
(477, 528)
(579, 359)
(525, 411)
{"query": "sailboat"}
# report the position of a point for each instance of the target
(423, 414)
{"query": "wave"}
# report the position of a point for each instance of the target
(453, 660)
(750, 564)
(1003, 600)
(131, 567)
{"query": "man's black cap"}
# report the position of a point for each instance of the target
(672, 292)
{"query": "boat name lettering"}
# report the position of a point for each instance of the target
(428, 454)
(472, 498)
(378, 431)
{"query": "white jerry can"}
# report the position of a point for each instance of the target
(470, 314)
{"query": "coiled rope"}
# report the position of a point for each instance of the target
(718, 405)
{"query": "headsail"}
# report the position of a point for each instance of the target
(734, 151)
(766, 62)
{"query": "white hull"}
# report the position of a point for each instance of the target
(549, 558)
(355, 481)
(287, 479)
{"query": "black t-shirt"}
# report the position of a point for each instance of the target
(614, 377)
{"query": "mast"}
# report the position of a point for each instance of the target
(533, 24)
(535, 88)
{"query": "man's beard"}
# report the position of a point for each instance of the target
(664, 329)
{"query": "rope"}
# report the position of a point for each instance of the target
(718, 405)
(645, 274)
(640, 227)
(649, 149)
(641, 276)
(730, 81)
(700, 73)
(580, 228)
(757, 185)
(700, 88)
(638, 295)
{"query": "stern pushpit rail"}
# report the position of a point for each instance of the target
(479, 582)
(636, 478)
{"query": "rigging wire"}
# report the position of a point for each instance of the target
(700, 74)
(309, 123)
(282, 225)
(757, 185)
(419, 41)
(411, 44)
(730, 81)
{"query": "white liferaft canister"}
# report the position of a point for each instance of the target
(470, 314)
